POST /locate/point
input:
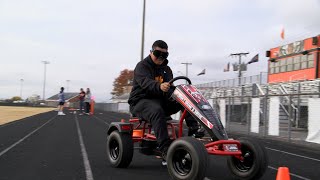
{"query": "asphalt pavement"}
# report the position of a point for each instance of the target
(47, 146)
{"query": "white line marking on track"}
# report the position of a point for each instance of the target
(297, 176)
(101, 120)
(293, 154)
(25, 137)
(86, 162)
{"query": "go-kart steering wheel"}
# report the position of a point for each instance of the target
(173, 80)
(179, 77)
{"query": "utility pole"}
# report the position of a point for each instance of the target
(187, 64)
(44, 79)
(143, 22)
(21, 85)
(239, 66)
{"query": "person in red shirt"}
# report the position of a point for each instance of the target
(82, 95)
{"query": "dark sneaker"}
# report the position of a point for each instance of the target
(196, 132)
(163, 148)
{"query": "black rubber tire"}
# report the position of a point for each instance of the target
(119, 149)
(197, 159)
(255, 163)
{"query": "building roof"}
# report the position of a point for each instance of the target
(67, 95)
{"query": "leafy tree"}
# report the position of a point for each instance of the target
(122, 82)
(16, 98)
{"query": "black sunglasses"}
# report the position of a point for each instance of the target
(160, 54)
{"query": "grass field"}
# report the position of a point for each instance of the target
(12, 113)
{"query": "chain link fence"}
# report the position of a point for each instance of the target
(282, 108)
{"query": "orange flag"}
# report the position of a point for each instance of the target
(282, 33)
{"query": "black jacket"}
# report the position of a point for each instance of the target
(147, 79)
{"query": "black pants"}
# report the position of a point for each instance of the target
(87, 107)
(156, 111)
(81, 105)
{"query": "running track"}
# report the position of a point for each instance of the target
(69, 147)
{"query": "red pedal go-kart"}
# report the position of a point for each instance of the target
(187, 157)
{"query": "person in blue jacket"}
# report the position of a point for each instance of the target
(61, 102)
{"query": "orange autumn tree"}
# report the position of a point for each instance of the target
(122, 82)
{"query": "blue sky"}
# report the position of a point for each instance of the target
(90, 42)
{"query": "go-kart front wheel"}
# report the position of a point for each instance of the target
(187, 158)
(119, 149)
(254, 163)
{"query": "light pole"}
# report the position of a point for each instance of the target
(68, 85)
(240, 65)
(21, 85)
(143, 22)
(187, 64)
(44, 79)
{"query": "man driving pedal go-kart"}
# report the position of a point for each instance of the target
(149, 98)
(152, 99)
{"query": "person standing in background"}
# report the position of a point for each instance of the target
(87, 101)
(82, 95)
(61, 102)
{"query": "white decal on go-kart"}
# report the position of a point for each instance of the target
(190, 106)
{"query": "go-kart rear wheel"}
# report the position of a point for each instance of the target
(119, 149)
(187, 158)
(254, 163)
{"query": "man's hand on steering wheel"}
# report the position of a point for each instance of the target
(165, 86)
(167, 89)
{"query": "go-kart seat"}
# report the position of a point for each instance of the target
(170, 123)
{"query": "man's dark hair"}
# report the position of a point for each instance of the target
(160, 44)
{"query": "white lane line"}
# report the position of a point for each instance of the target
(86, 162)
(291, 174)
(293, 154)
(25, 137)
(101, 120)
